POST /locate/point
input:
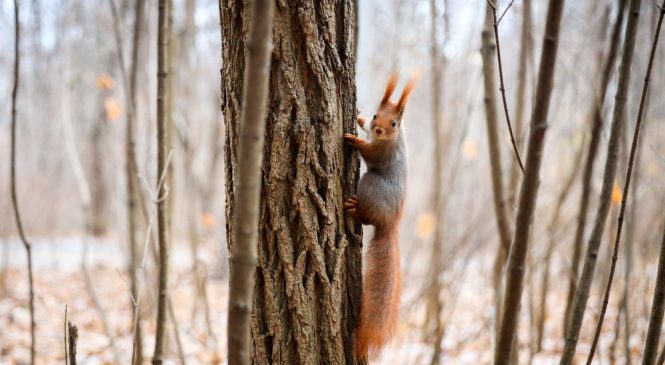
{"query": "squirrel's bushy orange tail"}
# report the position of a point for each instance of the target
(379, 301)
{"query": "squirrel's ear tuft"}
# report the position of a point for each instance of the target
(392, 82)
(407, 92)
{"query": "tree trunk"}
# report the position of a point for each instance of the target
(529, 190)
(308, 275)
(132, 188)
(488, 51)
(162, 214)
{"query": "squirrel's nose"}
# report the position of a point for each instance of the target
(378, 131)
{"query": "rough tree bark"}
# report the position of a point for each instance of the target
(308, 276)
(529, 189)
(578, 307)
(162, 141)
(596, 129)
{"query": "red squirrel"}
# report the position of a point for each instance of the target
(379, 202)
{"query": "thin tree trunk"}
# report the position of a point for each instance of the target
(308, 275)
(131, 179)
(578, 307)
(248, 181)
(529, 189)
(624, 198)
(488, 49)
(489, 71)
(162, 141)
(657, 310)
(17, 213)
(169, 112)
(596, 131)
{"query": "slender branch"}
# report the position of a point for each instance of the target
(503, 87)
(17, 213)
(529, 190)
(624, 198)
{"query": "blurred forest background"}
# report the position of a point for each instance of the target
(72, 107)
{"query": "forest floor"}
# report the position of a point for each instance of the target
(468, 315)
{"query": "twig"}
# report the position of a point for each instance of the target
(73, 337)
(502, 87)
(17, 214)
(624, 198)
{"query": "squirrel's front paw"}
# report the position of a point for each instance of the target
(351, 205)
(352, 140)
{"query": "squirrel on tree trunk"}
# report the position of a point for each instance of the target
(379, 202)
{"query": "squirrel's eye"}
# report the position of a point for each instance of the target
(394, 124)
(374, 117)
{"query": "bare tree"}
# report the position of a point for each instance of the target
(17, 213)
(308, 274)
(162, 142)
(578, 307)
(529, 190)
(248, 180)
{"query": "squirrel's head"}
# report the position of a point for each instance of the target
(386, 123)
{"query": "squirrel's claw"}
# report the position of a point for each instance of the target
(352, 140)
(351, 204)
